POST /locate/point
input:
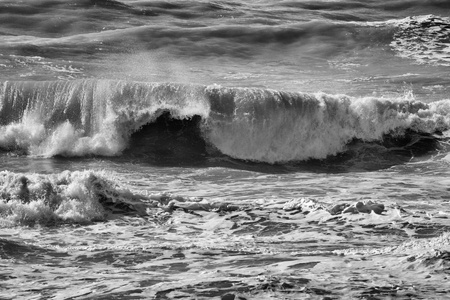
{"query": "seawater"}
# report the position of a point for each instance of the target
(198, 149)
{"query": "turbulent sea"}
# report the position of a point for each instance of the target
(225, 149)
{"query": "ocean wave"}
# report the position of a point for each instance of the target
(98, 117)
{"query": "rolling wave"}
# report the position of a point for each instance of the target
(100, 117)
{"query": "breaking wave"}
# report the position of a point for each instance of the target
(99, 117)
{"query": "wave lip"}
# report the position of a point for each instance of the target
(98, 117)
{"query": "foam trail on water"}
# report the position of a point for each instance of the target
(98, 117)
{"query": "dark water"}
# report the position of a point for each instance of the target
(198, 149)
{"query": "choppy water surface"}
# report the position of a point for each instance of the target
(225, 149)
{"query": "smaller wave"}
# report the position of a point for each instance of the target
(425, 39)
(73, 197)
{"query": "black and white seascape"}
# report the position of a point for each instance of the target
(197, 149)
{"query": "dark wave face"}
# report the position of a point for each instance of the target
(168, 141)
